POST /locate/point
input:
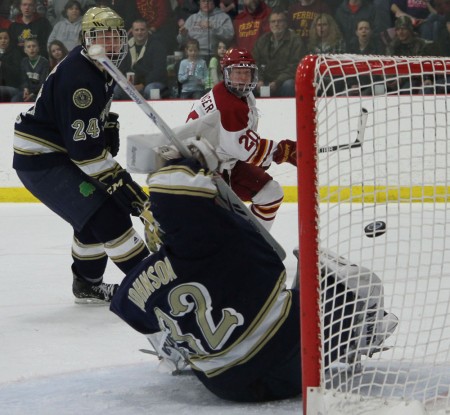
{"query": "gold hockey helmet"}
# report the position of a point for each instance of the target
(103, 26)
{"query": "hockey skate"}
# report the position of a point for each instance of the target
(371, 325)
(87, 293)
(371, 341)
(376, 332)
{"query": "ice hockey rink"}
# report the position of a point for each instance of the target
(59, 358)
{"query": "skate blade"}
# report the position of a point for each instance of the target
(91, 301)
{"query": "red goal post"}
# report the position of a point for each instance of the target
(342, 187)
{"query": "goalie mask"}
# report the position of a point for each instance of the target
(240, 72)
(103, 26)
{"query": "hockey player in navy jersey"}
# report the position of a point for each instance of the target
(64, 148)
(213, 295)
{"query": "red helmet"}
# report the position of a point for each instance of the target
(239, 58)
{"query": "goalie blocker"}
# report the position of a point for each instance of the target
(213, 296)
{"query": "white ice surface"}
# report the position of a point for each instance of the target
(59, 358)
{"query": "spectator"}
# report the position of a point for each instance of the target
(325, 36)
(349, 13)
(184, 9)
(125, 8)
(230, 7)
(363, 42)
(34, 69)
(207, 26)
(161, 21)
(56, 8)
(10, 59)
(5, 8)
(302, 13)
(417, 11)
(68, 29)
(251, 23)
(278, 4)
(30, 24)
(193, 73)
(41, 8)
(406, 42)
(382, 21)
(421, 12)
(277, 55)
(214, 68)
(443, 42)
(4, 22)
(147, 58)
(56, 53)
(438, 21)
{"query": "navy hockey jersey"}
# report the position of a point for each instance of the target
(67, 119)
(34, 74)
(215, 287)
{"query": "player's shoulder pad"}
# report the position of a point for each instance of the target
(80, 79)
(234, 112)
(183, 177)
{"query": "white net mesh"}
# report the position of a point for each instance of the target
(400, 176)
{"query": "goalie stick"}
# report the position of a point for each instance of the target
(359, 138)
(229, 199)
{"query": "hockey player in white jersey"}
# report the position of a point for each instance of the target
(245, 156)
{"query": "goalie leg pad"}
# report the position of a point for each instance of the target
(363, 304)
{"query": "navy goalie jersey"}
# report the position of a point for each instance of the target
(215, 287)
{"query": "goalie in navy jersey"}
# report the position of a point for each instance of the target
(213, 293)
(64, 148)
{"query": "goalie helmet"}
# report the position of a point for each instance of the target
(103, 26)
(240, 83)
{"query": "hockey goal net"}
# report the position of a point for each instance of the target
(373, 139)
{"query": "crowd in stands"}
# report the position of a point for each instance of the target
(175, 46)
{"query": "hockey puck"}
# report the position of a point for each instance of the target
(375, 229)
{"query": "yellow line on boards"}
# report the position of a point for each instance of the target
(332, 194)
(383, 194)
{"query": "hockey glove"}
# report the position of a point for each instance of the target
(152, 231)
(204, 152)
(112, 127)
(286, 152)
(126, 192)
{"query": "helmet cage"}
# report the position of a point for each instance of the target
(240, 89)
(103, 26)
(117, 36)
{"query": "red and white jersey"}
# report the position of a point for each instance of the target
(238, 139)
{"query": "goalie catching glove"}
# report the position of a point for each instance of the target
(286, 152)
(126, 192)
(111, 131)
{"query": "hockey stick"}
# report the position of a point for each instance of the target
(359, 138)
(228, 197)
